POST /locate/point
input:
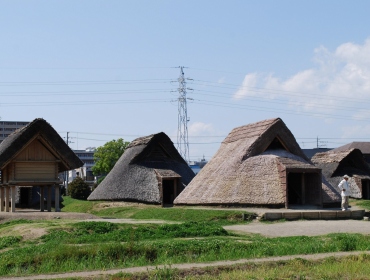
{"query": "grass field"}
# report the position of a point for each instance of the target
(51, 246)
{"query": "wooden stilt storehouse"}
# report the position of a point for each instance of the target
(31, 159)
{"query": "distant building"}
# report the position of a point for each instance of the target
(7, 127)
(85, 172)
(196, 166)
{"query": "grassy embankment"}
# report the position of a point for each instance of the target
(67, 246)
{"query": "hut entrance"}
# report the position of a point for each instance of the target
(303, 188)
(295, 190)
(24, 196)
(169, 192)
(365, 189)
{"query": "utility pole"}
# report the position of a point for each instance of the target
(320, 143)
(67, 172)
(182, 131)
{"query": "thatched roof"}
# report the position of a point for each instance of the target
(364, 147)
(20, 138)
(136, 175)
(337, 163)
(247, 167)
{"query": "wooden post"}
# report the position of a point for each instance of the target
(7, 198)
(2, 196)
(303, 189)
(13, 190)
(175, 193)
(48, 202)
(57, 190)
(319, 182)
(42, 206)
(286, 189)
(29, 203)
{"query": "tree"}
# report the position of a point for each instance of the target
(106, 156)
(79, 189)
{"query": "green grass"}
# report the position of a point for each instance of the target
(153, 212)
(15, 222)
(354, 267)
(199, 237)
(364, 204)
(9, 241)
(104, 246)
(99, 232)
(74, 205)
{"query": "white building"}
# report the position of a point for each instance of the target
(85, 172)
(7, 127)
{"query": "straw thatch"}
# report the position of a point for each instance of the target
(17, 140)
(251, 168)
(139, 173)
(337, 163)
(364, 147)
(41, 132)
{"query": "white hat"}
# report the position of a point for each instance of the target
(346, 176)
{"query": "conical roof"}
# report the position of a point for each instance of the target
(339, 162)
(136, 175)
(247, 167)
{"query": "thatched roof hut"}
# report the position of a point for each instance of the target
(33, 156)
(258, 164)
(337, 163)
(150, 170)
(364, 147)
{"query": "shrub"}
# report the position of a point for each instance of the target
(79, 189)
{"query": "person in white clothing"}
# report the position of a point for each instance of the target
(344, 187)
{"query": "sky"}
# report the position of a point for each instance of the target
(103, 70)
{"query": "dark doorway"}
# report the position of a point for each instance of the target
(365, 189)
(24, 196)
(169, 194)
(304, 188)
(295, 194)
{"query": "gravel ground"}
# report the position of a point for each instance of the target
(303, 227)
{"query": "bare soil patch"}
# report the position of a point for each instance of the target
(37, 215)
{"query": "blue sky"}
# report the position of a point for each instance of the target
(103, 70)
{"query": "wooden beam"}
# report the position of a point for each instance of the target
(48, 202)
(2, 198)
(7, 188)
(42, 205)
(57, 193)
(303, 189)
(13, 190)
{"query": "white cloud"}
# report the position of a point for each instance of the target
(338, 83)
(250, 81)
(362, 131)
(199, 128)
(221, 80)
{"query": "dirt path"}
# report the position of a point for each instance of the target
(303, 227)
(184, 266)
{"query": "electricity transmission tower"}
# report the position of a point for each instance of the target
(182, 131)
